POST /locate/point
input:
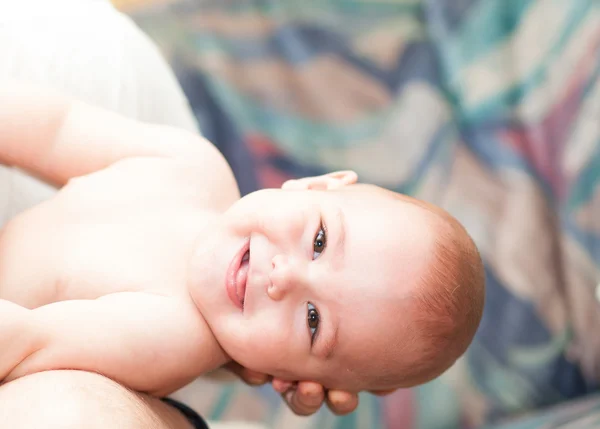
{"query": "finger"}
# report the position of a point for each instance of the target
(341, 402)
(281, 386)
(234, 367)
(250, 377)
(254, 378)
(306, 398)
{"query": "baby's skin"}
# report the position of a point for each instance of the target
(148, 267)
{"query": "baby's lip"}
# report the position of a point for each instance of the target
(243, 282)
(231, 277)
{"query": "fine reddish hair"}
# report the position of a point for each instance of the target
(445, 308)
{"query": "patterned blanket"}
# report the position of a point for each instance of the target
(488, 108)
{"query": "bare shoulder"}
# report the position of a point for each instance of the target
(199, 176)
(196, 161)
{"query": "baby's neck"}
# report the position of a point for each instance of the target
(206, 240)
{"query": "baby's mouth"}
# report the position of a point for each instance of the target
(242, 277)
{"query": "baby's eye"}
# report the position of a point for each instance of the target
(313, 321)
(320, 242)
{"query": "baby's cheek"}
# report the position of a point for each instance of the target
(268, 351)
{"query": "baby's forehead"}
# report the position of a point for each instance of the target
(388, 238)
(379, 203)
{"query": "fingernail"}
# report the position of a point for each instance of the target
(278, 387)
(255, 377)
(312, 393)
(288, 396)
(337, 397)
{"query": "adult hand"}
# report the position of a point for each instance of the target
(305, 397)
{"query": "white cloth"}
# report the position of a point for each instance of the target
(88, 49)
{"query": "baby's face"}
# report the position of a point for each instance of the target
(309, 285)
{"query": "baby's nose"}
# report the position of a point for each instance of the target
(285, 276)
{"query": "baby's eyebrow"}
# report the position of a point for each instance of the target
(340, 245)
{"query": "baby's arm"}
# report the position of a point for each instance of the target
(149, 343)
(58, 138)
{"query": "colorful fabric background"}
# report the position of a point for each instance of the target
(488, 108)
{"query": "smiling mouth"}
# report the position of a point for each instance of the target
(237, 276)
(242, 277)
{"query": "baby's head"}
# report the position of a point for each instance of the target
(353, 286)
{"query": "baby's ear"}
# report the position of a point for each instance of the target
(333, 180)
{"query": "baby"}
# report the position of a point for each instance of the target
(149, 268)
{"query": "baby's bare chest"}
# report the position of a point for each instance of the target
(95, 259)
(101, 235)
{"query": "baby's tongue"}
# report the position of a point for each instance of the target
(242, 276)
